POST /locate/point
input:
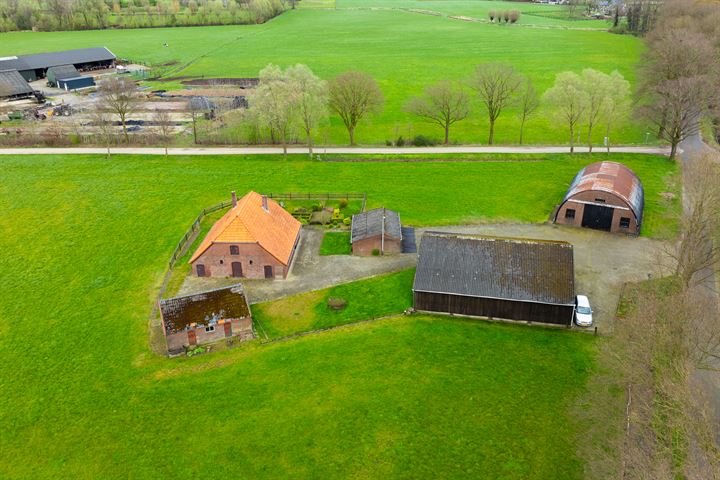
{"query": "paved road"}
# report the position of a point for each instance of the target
(329, 150)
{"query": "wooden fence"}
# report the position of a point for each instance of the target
(321, 196)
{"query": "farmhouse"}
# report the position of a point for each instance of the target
(13, 86)
(205, 317)
(376, 230)
(256, 238)
(506, 278)
(604, 196)
(34, 67)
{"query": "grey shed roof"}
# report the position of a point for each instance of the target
(52, 59)
(492, 267)
(12, 83)
(205, 308)
(370, 224)
(63, 71)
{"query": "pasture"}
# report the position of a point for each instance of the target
(86, 241)
(393, 45)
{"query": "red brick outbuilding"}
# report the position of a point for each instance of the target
(604, 196)
(256, 238)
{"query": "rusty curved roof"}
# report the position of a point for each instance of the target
(273, 229)
(610, 177)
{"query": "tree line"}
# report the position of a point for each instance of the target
(52, 15)
(296, 99)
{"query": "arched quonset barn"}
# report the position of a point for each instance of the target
(604, 196)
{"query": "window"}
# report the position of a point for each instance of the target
(209, 329)
(624, 222)
(221, 262)
(200, 269)
(570, 213)
(234, 250)
(600, 200)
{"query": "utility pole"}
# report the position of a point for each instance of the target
(382, 236)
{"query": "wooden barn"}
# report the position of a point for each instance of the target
(604, 196)
(502, 278)
(205, 317)
(376, 230)
(256, 238)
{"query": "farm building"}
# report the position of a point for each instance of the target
(61, 72)
(205, 317)
(504, 278)
(13, 85)
(75, 83)
(256, 238)
(604, 196)
(34, 67)
(376, 230)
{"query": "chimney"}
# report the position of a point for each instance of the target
(234, 199)
(265, 204)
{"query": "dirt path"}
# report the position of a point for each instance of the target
(323, 151)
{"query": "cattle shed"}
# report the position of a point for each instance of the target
(13, 85)
(377, 230)
(604, 196)
(33, 67)
(205, 317)
(497, 278)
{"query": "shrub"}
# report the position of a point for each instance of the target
(423, 141)
(400, 141)
(343, 203)
(376, 252)
(347, 221)
(492, 14)
(506, 16)
(514, 16)
(317, 207)
(336, 303)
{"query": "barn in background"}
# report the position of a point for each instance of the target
(34, 67)
(604, 196)
(376, 230)
(503, 278)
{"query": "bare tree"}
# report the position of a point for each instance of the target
(444, 104)
(103, 122)
(497, 85)
(568, 98)
(353, 95)
(311, 99)
(119, 95)
(162, 120)
(529, 103)
(617, 103)
(198, 106)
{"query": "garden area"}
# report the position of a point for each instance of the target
(336, 243)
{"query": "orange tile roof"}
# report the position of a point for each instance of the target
(274, 230)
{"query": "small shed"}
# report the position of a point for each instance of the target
(503, 278)
(376, 230)
(61, 72)
(205, 317)
(604, 196)
(75, 83)
(13, 85)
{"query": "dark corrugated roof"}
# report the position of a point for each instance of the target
(493, 267)
(369, 224)
(12, 83)
(610, 177)
(206, 308)
(63, 71)
(52, 59)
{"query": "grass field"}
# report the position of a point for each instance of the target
(393, 45)
(369, 298)
(86, 241)
(336, 243)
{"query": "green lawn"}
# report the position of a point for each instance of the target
(336, 243)
(85, 244)
(369, 298)
(404, 51)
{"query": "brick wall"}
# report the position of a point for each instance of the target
(241, 327)
(252, 257)
(610, 200)
(365, 246)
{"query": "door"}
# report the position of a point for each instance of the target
(268, 271)
(228, 329)
(192, 337)
(236, 269)
(200, 270)
(597, 217)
